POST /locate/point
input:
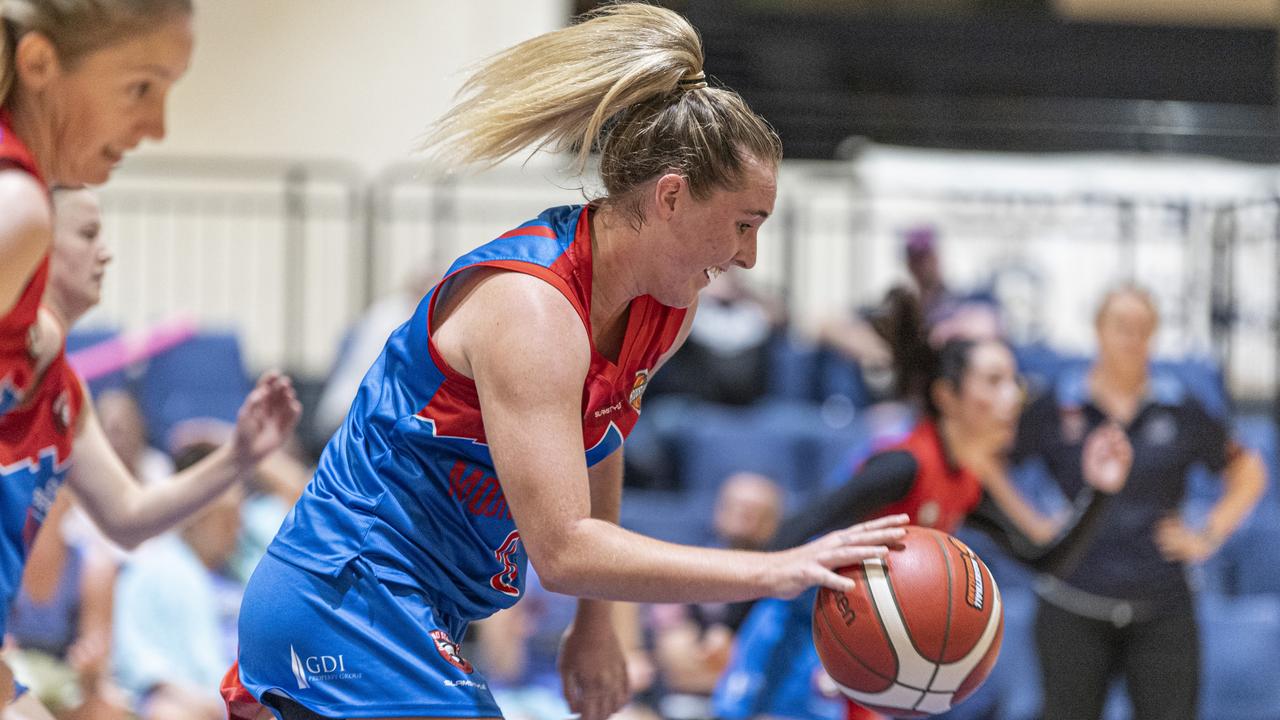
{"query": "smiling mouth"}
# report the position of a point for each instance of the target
(713, 272)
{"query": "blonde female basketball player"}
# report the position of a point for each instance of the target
(489, 432)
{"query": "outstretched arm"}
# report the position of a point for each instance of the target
(1034, 539)
(882, 480)
(129, 513)
(528, 353)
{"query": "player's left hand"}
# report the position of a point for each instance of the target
(266, 419)
(1107, 458)
(1179, 543)
(593, 668)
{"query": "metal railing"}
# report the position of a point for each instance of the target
(289, 253)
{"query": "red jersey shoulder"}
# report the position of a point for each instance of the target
(943, 493)
(44, 426)
(13, 151)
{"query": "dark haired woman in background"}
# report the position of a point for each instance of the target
(949, 469)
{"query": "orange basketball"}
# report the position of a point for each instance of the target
(919, 632)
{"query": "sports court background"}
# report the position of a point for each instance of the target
(285, 200)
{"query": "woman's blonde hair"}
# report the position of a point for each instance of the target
(77, 27)
(1128, 289)
(626, 80)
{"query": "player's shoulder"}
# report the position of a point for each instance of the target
(26, 204)
(514, 319)
(511, 295)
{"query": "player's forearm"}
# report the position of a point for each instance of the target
(158, 507)
(1245, 481)
(601, 561)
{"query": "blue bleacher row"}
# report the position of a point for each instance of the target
(202, 377)
(806, 440)
(790, 437)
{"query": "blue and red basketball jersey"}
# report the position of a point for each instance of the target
(17, 367)
(36, 425)
(407, 482)
(35, 453)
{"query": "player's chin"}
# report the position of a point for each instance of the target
(95, 174)
(682, 298)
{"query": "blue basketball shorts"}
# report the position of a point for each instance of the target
(354, 646)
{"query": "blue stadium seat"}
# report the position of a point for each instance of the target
(1248, 561)
(203, 377)
(838, 375)
(1039, 364)
(716, 442)
(793, 368)
(670, 516)
(78, 339)
(1240, 640)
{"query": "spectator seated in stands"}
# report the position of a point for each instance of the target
(60, 625)
(726, 358)
(270, 494)
(175, 613)
(692, 642)
(126, 430)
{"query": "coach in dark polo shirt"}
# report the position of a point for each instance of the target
(1126, 608)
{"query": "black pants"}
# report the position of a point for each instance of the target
(289, 709)
(1158, 658)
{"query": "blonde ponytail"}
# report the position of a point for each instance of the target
(627, 80)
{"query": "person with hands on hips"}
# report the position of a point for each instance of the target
(1127, 607)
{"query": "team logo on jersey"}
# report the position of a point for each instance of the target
(637, 388)
(449, 650)
(62, 411)
(505, 579)
(317, 668)
(299, 672)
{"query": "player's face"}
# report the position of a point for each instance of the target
(1125, 328)
(708, 237)
(990, 400)
(106, 103)
(79, 256)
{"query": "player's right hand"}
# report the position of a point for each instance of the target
(266, 419)
(815, 563)
(1107, 457)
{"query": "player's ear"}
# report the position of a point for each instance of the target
(943, 395)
